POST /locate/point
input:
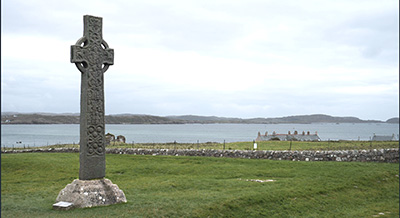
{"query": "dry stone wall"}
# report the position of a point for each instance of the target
(374, 155)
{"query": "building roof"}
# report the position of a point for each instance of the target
(384, 138)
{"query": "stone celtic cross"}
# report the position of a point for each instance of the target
(92, 57)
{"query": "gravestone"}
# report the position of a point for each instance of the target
(92, 57)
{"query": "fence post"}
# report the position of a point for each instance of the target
(328, 143)
(370, 142)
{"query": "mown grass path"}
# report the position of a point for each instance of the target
(165, 186)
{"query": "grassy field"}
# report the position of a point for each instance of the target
(267, 145)
(163, 186)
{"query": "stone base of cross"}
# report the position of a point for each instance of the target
(89, 193)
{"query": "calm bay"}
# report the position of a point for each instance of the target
(40, 135)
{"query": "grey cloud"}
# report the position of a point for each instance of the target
(181, 31)
(375, 34)
(315, 37)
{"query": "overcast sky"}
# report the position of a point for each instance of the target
(227, 58)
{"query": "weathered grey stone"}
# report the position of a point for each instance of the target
(92, 57)
(91, 193)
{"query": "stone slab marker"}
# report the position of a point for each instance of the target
(92, 57)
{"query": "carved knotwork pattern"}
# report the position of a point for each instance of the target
(95, 140)
(95, 122)
(95, 96)
(92, 57)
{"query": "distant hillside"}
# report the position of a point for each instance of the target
(46, 118)
(316, 118)
(393, 120)
(74, 119)
(139, 119)
(206, 119)
(20, 118)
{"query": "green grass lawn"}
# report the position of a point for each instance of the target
(164, 186)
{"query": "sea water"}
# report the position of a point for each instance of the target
(40, 135)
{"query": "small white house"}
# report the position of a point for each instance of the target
(288, 137)
(381, 138)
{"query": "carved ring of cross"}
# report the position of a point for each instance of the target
(82, 66)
